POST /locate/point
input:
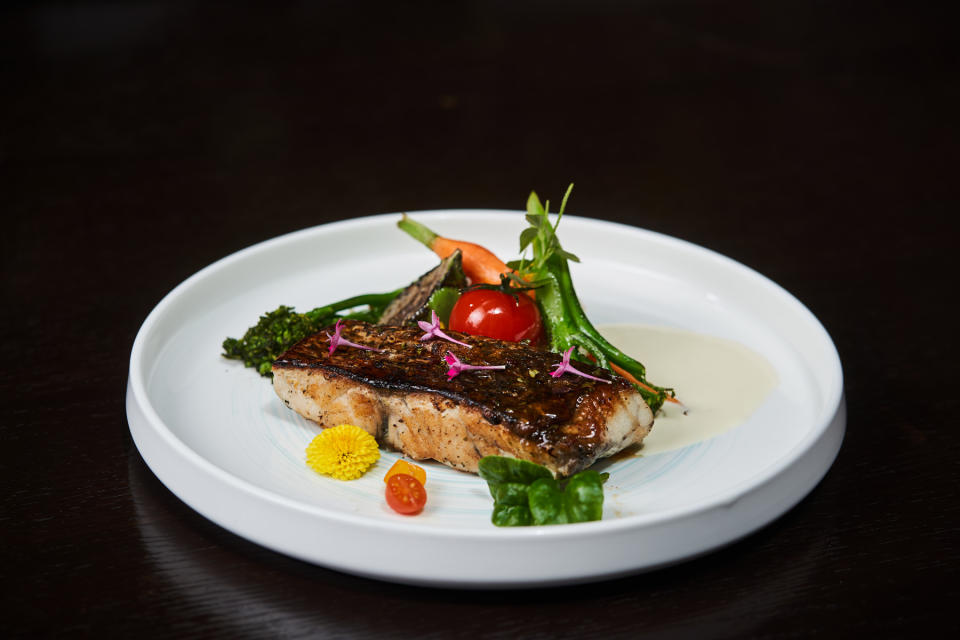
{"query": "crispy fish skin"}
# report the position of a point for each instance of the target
(401, 396)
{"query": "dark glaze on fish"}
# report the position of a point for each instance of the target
(524, 397)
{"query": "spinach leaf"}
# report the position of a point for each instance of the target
(511, 515)
(509, 493)
(525, 493)
(584, 497)
(502, 469)
(547, 502)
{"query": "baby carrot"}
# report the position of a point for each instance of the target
(480, 264)
(626, 374)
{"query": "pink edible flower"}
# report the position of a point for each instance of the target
(456, 366)
(433, 330)
(336, 340)
(565, 367)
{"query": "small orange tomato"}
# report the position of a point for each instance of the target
(405, 494)
(402, 466)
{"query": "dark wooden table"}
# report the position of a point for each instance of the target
(815, 142)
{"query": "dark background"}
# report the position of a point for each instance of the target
(815, 142)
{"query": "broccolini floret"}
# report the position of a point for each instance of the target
(280, 329)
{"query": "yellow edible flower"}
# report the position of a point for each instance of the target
(345, 452)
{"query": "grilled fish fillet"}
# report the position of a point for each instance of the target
(401, 396)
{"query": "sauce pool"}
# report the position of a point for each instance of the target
(721, 382)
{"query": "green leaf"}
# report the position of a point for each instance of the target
(583, 497)
(526, 237)
(525, 493)
(499, 469)
(507, 493)
(565, 254)
(547, 502)
(534, 208)
(511, 515)
(442, 301)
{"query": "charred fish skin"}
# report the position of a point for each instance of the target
(402, 395)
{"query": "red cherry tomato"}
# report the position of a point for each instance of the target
(405, 494)
(495, 314)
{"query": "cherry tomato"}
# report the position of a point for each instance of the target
(495, 314)
(405, 494)
(403, 466)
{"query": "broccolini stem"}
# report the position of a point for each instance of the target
(374, 300)
(278, 330)
(568, 325)
(579, 316)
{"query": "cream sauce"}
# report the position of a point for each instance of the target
(720, 382)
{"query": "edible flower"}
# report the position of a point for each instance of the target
(456, 366)
(336, 340)
(433, 330)
(566, 367)
(344, 452)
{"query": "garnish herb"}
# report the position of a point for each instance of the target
(566, 322)
(280, 329)
(525, 493)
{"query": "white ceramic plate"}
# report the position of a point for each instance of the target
(218, 437)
